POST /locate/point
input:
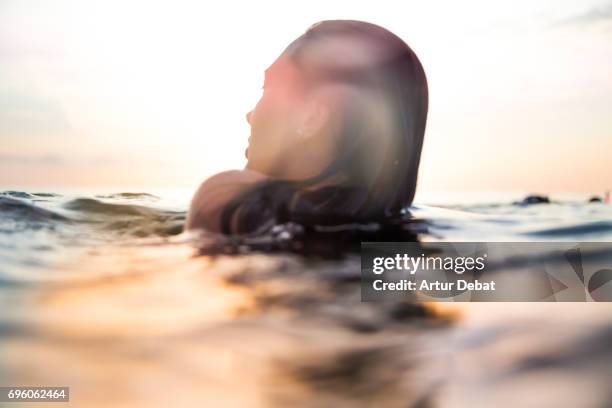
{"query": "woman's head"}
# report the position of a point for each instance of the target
(338, 131)
(345, 104)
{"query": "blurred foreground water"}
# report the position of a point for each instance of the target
(104, 294)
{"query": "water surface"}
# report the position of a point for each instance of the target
(104, 293)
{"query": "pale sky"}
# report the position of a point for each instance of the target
(154, 93)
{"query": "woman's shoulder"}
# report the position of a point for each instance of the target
(232, 178)
(214, 194)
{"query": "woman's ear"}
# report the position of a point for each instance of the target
(315, 119)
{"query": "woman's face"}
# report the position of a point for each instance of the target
(294, 127)
(275, 124)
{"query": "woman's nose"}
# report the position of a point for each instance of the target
(248, 116)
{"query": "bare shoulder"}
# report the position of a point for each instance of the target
(214, 193)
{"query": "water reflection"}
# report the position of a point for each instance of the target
(251, 330)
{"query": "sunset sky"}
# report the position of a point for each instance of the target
(150, 94)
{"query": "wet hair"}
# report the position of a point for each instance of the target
(378, 164)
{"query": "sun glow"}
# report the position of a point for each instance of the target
(155, 93)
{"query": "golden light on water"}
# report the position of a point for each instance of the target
(165, 328)
(126, 293)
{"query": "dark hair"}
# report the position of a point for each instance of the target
(398, 82)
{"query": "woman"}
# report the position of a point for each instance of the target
(336, 136)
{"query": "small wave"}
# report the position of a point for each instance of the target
(22, 195)
(597, 227)
(130, 196)
(91, 205)
(129, 219)
(16, 194)
(161, 227)
(23, 211)
(46, 195)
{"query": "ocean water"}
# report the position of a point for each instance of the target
(106, 294)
